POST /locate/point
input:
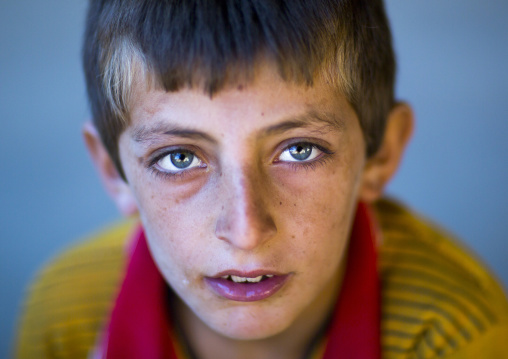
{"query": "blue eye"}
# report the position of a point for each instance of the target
(178, 161)
(300, 152)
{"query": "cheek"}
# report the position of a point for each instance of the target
(176, 222)
(319, 226)
(318, 210)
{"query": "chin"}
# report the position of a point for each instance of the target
(247, 324)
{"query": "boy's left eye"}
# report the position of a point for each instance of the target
(300, 152)
(178, 161)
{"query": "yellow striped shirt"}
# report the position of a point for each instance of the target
(437, 301)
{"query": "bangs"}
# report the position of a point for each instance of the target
(211, 44)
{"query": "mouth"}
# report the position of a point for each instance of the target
(246, 287)
(238, 279)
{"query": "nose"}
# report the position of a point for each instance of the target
(245, 221)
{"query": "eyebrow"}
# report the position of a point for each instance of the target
(145, 134)
(311, 118)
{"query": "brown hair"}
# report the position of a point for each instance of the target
(212, 43)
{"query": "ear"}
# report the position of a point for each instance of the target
(118, 189)
(380, 168)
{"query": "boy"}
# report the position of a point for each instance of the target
(254, 140)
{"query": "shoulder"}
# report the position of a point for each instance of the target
(71, 297)
(437, 299)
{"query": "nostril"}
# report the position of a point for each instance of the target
(222, 228)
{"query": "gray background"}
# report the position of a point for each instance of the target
(452, 57)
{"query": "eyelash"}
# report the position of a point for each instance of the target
(160, 174)
(308, 165)
(294, 165)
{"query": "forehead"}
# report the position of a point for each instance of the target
(265, 100)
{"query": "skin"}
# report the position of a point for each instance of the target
(246, 204)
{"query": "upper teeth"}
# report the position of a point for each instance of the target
(237, 279)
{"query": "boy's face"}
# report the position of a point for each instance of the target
(260, 180)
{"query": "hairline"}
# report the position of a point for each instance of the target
(127, 69)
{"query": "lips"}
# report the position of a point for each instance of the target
(246, 287)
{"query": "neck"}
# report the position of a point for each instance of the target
(292, 343)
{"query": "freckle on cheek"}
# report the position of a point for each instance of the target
(280, 203)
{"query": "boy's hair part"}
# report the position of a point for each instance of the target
(215, 43)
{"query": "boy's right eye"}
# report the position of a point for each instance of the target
(177, 161)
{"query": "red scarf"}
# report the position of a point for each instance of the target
(139, 325)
